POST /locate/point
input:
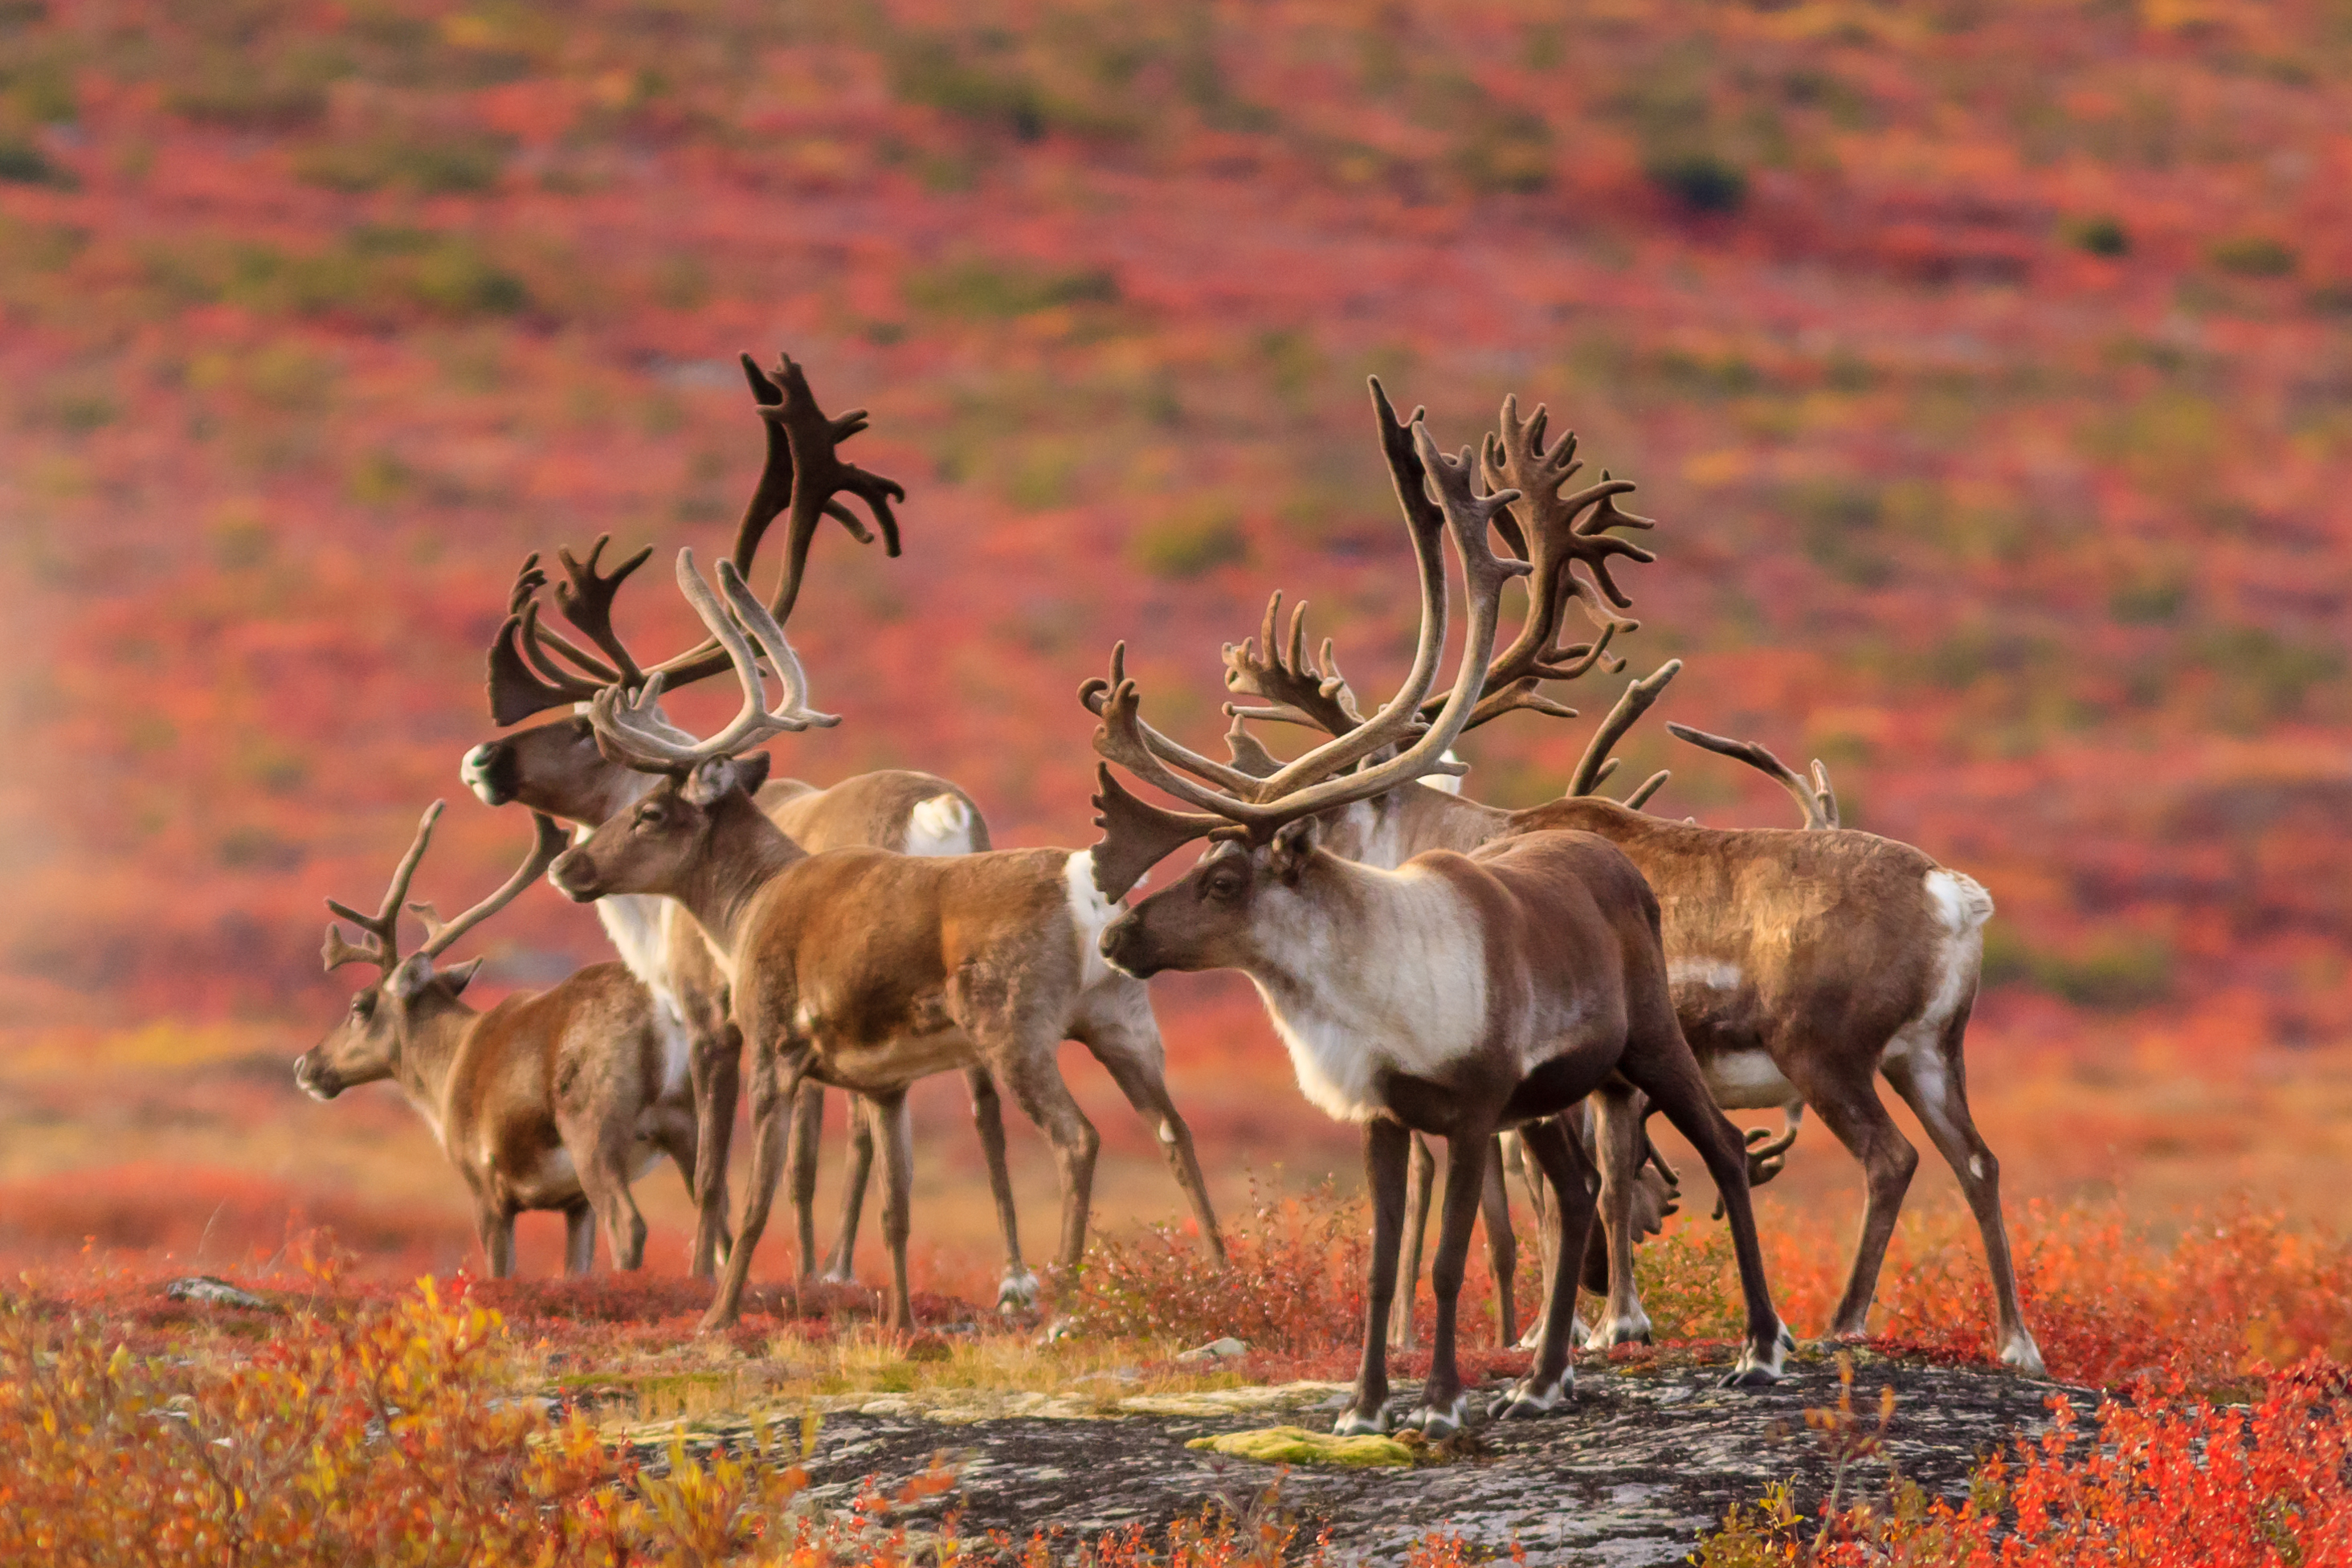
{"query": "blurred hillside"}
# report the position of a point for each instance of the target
(1988, 367)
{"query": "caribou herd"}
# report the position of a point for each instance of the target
(1527, 984)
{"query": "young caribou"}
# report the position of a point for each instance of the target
(555, 767)
(554, 1101)
(863, 969)
(1805, 964)
(1456, 995)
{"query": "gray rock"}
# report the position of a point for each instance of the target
(207, 1291)
(1640, 1463)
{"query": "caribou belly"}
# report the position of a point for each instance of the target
(1747, 1081)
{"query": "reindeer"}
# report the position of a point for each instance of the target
(558, 1100)
(863, 969)
(1458, 995)
(1805, 963)
(556, 768)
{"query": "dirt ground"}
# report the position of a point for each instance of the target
(1646, 1458)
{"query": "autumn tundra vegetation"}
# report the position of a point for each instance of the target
(1986, 368)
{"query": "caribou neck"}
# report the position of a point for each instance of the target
(428, 1049)
(745, 853)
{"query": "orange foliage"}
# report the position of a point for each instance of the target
(2167, 1482)
(1986, 364)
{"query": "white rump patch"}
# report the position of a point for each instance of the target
(1960, 907)
(939, 826)
(1712, 972)
(1089, 913)
(1746, 1080)
(1961, 902)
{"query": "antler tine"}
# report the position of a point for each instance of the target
(586, 602)
(1094, 693)
(521, 684)
(1552, 542)
(1596, 763)
(630, 730)
(382, 929)
(820, 477)
(1815, 799)
(769, 635)
(1466, 518)
(1136, 835)
(1285, 673)
(1648, 788)
(549, 842)
(1428, 521)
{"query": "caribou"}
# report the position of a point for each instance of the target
(862, 969)
(1456, 995)
(555, 767)
(559, 1100)
(1804, 963)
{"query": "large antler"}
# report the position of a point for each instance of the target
(802, 474)
(629, 726)
(1315, 781)
(380, 943)
(548, 843)
(1816, 799)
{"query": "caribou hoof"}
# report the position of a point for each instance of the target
(837, 1275)
(1527, 1399)
(1754, 1370)
(1017, 1292)
(2023, 1354)
(1626, 1329)
(1353, 1423)
(1787, 1340)
(1437, 1424)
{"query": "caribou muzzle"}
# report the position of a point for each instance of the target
(575, 876)
(315, 1079)
(488, 769)
(1125, 948)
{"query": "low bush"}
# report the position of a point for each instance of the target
(2167, 1479)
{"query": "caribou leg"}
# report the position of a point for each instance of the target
(1387, 1150)
(1935, 1085)
(1659, 1063)
(1617, 1132)
(1420, 1185)
(841, 1264)
(1857, 1119)
(1444, 1405)
(800, 1177)
(579, 1240)
(896, 1135)
(1502, 1247)
(1552, 1379)
(773, 1086)
(1017, 1291)
(1117, 1027)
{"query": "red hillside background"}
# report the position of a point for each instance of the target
(1988, 367)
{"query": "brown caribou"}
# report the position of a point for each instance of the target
(1805, 963)
(1458, 995)
(863, 969)
(555, 1099)
(555, 767)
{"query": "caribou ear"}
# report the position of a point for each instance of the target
(409, 980)
(1293, 846)
(455, 978)
(711, 781)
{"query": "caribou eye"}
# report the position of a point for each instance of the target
(363, 1004)
(652, 814)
